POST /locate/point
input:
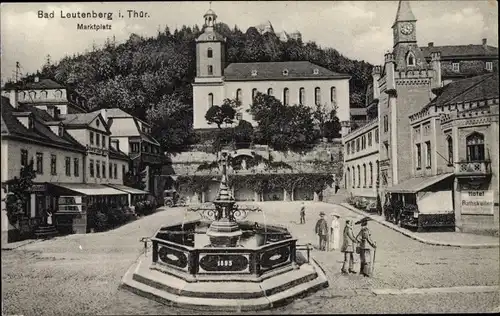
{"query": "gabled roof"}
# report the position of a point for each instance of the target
(40, 131)
(41, 84)
(404, 12)
(116, 113)
(117, 154)
(467, 90)
(274, 71)
(79, 118)
(450, 51)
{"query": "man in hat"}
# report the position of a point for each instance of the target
(348, 248)
(322, 231)
(365, 240)
(335, 232)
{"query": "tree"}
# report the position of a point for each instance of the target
(222, 114)
(18, 195)
(283, 127)
(243, 132)
(327, 121)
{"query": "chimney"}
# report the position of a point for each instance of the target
(485, 42)
(431, 44)
(116, 144)
(37, 79)
(13, 98)
(104, 115)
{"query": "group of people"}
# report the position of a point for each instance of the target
(360, 243)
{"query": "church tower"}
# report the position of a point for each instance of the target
(406, 52)
(208, 86)
(210, 49)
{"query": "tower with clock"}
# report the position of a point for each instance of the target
(407, 54)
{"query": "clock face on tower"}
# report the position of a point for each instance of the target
(407, 28)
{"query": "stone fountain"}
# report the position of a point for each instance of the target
(220, 263)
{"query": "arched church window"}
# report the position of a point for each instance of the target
(333, 95)
(317, 96)
(270, 91)
(209, 52)
(302, 96)
(410, 59)
(254, 93)
(238, 95)
(286, 95)
(210, 70)
(210, 100)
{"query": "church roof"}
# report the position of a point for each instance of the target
(289, 70)
(404, 12)
(210, 36)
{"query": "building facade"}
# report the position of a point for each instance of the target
(133, 136)
(361, 161)
(290, 82)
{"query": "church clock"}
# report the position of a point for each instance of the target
(407, 28)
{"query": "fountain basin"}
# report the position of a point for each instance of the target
(186, 270)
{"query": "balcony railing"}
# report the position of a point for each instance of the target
(473, 168)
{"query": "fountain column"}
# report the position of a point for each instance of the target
(224, 231)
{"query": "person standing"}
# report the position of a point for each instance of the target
(335, 232)
(303, 214)
(365, 241)
(348, 248)
(322, 231)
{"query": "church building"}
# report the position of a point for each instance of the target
(296, 82)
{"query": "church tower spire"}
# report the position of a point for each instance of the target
(404, 13)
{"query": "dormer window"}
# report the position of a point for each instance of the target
(410, 59)
(254, 73)
(285, 72)
(97, 123)
(31, 124)
(316, 71)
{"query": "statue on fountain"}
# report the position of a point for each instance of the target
(224, 230)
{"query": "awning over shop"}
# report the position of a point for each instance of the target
(89, 189)
(415, 185)
(127, 189)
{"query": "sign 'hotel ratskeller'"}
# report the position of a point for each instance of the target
(477, 202)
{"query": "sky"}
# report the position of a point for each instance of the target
(357, 29)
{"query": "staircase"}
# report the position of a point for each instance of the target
(329, 196)
(45, 231)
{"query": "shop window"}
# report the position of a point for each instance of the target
(449, 142)
(53, 165)
(24, 157)
(76, 166)
(419, 157)
(67, 165)
(475, 147)
(428, 157)
(91, 168)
